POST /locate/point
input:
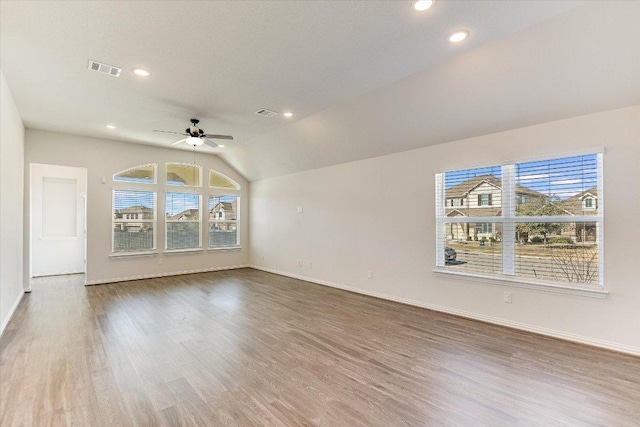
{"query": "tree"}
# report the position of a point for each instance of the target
(542, 208)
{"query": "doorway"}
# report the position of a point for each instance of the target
(58, 196)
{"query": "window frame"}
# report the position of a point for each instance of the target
(509, 219)
(237, 186)
(200, 168)
(199, 222)
(114, 221)
(126, 182)
(236, 221)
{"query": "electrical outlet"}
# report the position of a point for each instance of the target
(309, 264)
(299, 209)
(300, 263)
(262, 256)
(507, 297)
(370, 274)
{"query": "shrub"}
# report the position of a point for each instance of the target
(560, 240)
(536, 239)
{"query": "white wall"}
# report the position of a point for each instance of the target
(379, 215)
(103, 158)
(11, 200)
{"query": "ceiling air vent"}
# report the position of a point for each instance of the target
(266, 113)
(104, 68)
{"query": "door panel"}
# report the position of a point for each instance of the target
(58, 196)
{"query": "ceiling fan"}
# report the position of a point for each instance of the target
(196, 136)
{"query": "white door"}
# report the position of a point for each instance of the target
(58, 196)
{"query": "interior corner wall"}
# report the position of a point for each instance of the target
(11, 197)
(102, 158)
(378, 215)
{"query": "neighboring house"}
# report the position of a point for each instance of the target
(134, 213)
(583, 203)
(481, 196)
(222, 212)
(186, 215)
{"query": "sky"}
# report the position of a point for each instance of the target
(561, 178)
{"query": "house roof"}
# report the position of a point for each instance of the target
(362, 81)
(574, 203)
(477, 212)
(134, 209)
(462, 189)
(187, 214)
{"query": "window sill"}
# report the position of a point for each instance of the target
(585, 290)
(224, 248)
(182, 251)
(132, 254)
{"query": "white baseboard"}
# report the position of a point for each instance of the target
(7, 319)
(156, 275)
(609, 345)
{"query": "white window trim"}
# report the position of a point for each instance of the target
(524, 283)
(224, 248)
(167, 183)
(199, 222)
(155, 175)
(231, 180)
(152, 251)
(508, 220)
(237, 222)
(183, 250)
(133, 254)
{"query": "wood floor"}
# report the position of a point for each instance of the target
(248, 348)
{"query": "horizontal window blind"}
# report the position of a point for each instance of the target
(182, 218)
(223, 221)
(543, 220)
(134, 221)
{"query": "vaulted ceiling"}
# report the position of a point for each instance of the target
(363, 79)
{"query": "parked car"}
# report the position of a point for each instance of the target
(450, 254)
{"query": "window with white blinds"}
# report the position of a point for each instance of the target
(540, 220)
(134, 221)
(182, 221)
(223, 221)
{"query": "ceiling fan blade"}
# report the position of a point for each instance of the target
(209, 142)
(179, 141)
(168, 131)
(218, 136)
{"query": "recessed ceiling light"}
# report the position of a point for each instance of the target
(111, 126)
(288, 114)
(458, 36)
(220, 145)
(421, 5)
(141, 72)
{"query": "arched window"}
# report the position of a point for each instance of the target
(144, 174)
(184, 174)
(218, 180)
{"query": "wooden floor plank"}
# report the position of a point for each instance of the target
(249, 348)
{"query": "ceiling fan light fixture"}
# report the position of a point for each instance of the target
(194, 141)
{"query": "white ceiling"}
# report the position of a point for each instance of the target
(363, 78)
